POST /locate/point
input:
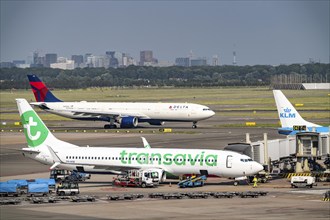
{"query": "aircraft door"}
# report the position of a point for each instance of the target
(229, 162)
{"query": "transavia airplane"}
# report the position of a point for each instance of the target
(126, 114)
(291, 120)
(47, 149)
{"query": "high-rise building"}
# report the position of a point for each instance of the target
(182, 61)
(146, 58)
(50, 58)
(114, 58)
(215, 60)
(198, 62)
(78, 60)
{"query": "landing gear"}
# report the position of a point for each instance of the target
(194, 125)
(110, 126)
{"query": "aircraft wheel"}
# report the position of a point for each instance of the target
(106, 126)
(194, 126)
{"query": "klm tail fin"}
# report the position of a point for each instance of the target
(36, 132)
(40, 90)
(287, 113)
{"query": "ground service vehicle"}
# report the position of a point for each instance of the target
(67, 188)
(139, 178)
(302, 181)
(38, 189)
(9, 189)
(192, 182)
(59, 175)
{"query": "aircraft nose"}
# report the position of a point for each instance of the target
(211, 113)
(257, 167)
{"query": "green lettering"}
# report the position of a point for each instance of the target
(202, 157)
(130, 157)
(142, 158)
(167, 159)
(193, 160)
(215, 159)
(177, 159)
(122, 155)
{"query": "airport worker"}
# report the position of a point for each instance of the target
(255, 181)
(60, 184)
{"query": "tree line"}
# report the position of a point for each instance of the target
(202, 76)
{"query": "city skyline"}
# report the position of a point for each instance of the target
(271, 32)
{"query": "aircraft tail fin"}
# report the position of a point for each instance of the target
(36, 132)
(288, 115)
(40, 90)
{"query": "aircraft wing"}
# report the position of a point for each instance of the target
(116, 168)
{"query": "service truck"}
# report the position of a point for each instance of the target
(302, 181)
(139, 178)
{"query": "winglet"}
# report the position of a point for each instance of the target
(145, 143)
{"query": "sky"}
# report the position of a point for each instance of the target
(261, 32)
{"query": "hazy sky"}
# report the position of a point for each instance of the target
(261, 32)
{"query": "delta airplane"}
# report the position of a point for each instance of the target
(291, 120)
(47, 149)
(126, 114)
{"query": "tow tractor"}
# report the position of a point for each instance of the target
(139, 178)
(66, 188)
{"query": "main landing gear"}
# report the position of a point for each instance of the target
(110, 126)
(194, 125)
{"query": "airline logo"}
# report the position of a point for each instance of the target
(34, 130)
(174, 107)
(169, 159)
(39, 91)
(287, 113)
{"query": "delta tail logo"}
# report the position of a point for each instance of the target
(287, 113)
(34, 130)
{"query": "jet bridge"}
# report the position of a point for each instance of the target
(297, 153)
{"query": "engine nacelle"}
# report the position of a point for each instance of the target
(156, 122)
(128, 122)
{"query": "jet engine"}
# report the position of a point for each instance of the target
(128, 122)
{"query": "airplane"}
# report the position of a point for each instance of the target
(45, 148)
(291, 120)
(126, 114)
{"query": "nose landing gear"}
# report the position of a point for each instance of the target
(194, 125)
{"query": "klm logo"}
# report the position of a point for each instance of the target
(287, 114)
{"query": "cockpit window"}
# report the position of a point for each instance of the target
(206, 109)
(246, 160)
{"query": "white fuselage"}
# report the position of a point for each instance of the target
(157, 111)
(173, 161)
